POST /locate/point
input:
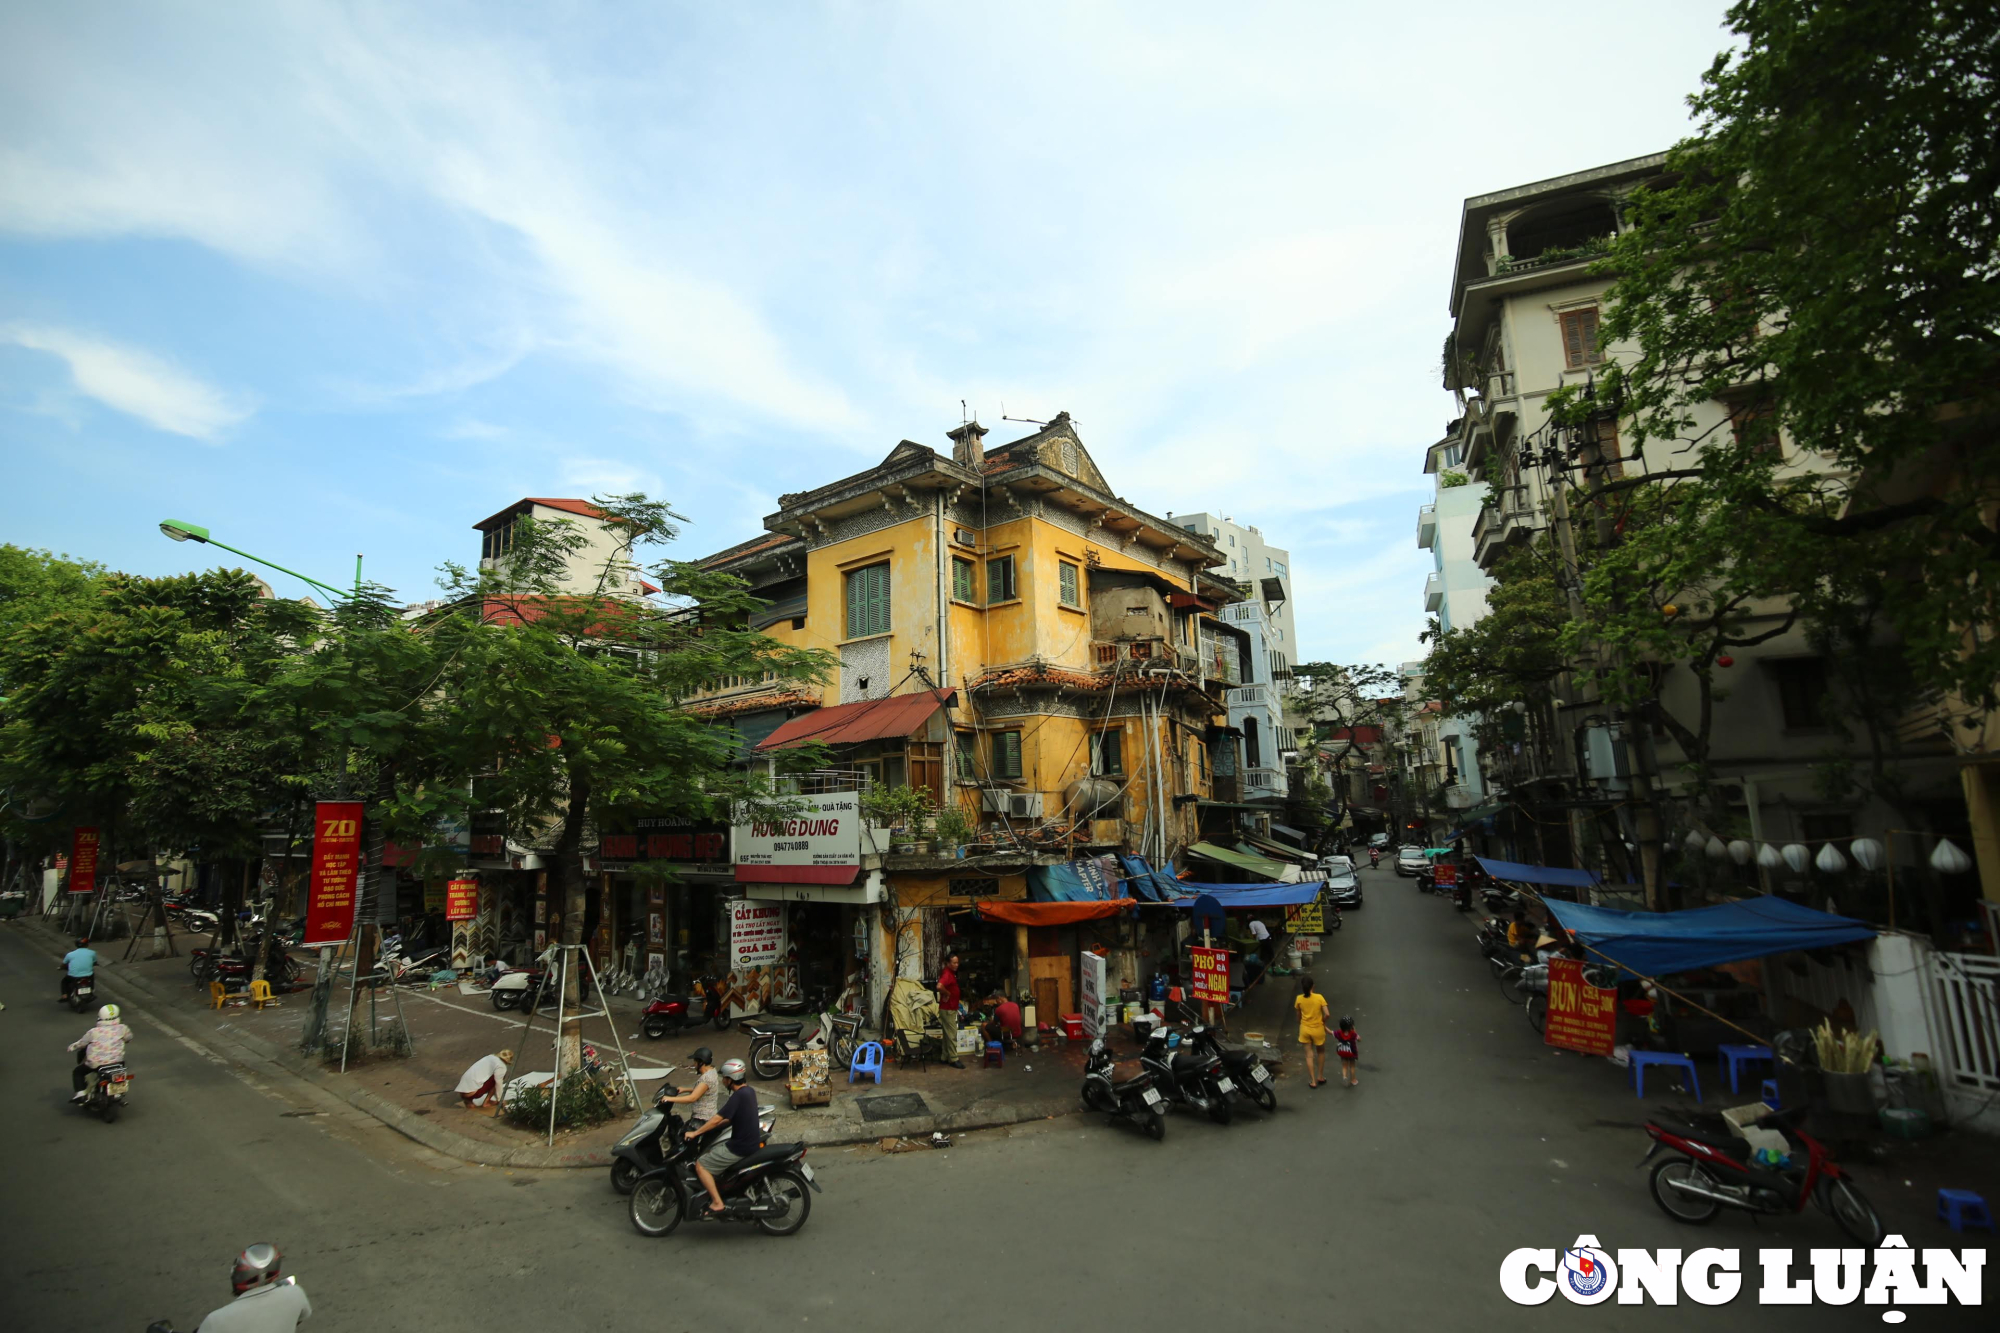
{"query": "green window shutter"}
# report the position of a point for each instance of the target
(857, 604)
(961, 579)
(1070, 595)
(1007, 754)
(868, 601)
(996, 581)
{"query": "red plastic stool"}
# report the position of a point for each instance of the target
(996, 1055)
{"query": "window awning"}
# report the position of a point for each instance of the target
(1249, 863)
(1288, 831)
(1277, 851)
(869, 720)
(1655, 944)
(1052, 914)
(1244, 897)
(1525, 874)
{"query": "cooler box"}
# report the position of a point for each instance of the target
(1073, 1026)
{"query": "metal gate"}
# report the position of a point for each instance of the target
(1967, 991)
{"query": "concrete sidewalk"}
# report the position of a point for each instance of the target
(450, 1030)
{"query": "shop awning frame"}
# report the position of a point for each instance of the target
(1053, 914)
(1249, 897)
(1655, 944)
(1555, 876)
(1262, 866)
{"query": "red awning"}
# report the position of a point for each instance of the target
(1053, 914)
(870, 720)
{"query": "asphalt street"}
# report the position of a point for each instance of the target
(1386, 1206)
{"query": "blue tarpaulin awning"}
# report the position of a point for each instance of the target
(1243, 897)
(1657, 944)
(1524, 874)
(1150, 884)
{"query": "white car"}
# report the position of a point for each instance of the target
(1411, 861)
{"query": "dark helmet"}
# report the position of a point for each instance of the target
(257, 1265)
(703, 1056)
(82, 942)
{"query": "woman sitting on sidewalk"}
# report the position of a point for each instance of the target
(484, 1080)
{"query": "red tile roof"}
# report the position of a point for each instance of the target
(1041, 675)
(751, 547)
(755, 703)
(869, 720)
(582, 507)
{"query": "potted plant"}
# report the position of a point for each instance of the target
(902, 809)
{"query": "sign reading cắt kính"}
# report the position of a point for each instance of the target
(821, 844)
(461, 900)
(336, 866)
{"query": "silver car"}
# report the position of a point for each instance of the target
(1411, 861)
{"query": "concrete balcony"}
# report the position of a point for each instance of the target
(1509, 516)
(1249, 696)
(1427, 527)
(1433, 592)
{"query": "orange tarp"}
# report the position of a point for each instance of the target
(1053, 914)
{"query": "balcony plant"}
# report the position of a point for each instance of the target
(903, 810)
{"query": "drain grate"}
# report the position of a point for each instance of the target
(894, 1106)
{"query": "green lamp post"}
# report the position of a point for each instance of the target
(194, 532)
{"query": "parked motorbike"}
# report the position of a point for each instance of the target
(520, 988)
(1133, 1100)
(1245, 1070)
(106, 1091)
(647, 1144)
(1708, 1172)
(1186, 1076)
(671, 1013)
(769, 1188)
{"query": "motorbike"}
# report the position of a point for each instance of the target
(166, 1325)
(1707, 1172)
(519, 988)
(647, 1144)
(1374, 858)
(1186, 1076)
(82, 994)
(233, 970)
(671, 1013)
(106, 1091)
(1245, 1070)
(769, 1188)
(772, 1043)
(1133, 1100)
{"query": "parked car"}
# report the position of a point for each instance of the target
(1410, 860)
(1343, 886)
(1379, 840)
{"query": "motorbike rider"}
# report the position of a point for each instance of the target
(701, 1098)
(264, 1302)
(77, 964)
(1374, 857)
(103, 1045)
(740, 1114)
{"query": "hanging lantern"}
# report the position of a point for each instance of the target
(1695, 839)
(1768, 858)
(1739, 852)
(1670, 610)
(1716, 849)
(1947, 859)
(1867, 853)
(1797, 855)
(1830, 861)
(1725, 661)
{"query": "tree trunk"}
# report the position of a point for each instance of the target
(574, 890)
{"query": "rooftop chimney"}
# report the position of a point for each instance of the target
(966, 450)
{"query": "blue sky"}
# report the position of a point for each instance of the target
(339, 279)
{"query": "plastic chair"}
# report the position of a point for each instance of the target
(1771, 1094)
(996, 1055)
(1641, 1060)
(867, 1060)
(216, 995)
(1733, 1058)
(1960, 1209)
(260, 993)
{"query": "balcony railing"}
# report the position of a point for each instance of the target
(1433, 592)
(1427, 526)
(1249, 696)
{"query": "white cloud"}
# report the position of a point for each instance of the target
(136, 382)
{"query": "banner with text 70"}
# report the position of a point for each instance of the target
(336, 868)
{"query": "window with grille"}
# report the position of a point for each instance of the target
(961, 580)
(1579, 335)
(1071, 581)
(1756, 425)
(1007, 754)
(1107, 753)
(868, 601)
(1802, 691)
(1000, 579)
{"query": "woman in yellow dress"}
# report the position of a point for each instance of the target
(1312, 1011)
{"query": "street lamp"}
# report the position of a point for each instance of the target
(179, 531)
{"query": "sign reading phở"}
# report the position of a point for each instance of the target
(83, 861)
(461, 900)
(336, 866)
(821, 844)
(1211, 975)
(1581, 1017)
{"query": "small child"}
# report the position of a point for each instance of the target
(1347, 1045)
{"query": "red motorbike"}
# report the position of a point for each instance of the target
(671, 1013)
(1712, 1171)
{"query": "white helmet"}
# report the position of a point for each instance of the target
(107, 1014)
(734, 1070)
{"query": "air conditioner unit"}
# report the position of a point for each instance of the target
(963, 536)
(1025, 806)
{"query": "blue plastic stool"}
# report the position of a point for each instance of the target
(1733, 1058)
(1642, 1059)
(1771, 1094)
(867, 1060)
(996, 1055)
(1962, 1208)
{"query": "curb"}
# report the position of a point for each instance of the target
(452, 1144)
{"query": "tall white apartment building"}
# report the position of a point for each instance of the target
(1256, 706)
(1455, 592)
(1252, 561)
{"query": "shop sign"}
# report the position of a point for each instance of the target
(336, 866)
(83, 860)
(1211, 975)
(488, 836)
(434, 892)
(1581, 1017)
(756, 934)
(461, 900)
(1307, 918)
(821, 844)
(1444, 875)
(1093, 994)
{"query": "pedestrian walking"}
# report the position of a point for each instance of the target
(1312, 1008)
(948, 1010)
(1347, 1045)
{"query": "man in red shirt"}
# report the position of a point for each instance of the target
(1005, 1025)
(947, 989)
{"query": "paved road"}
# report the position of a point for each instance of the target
(1381, 1207)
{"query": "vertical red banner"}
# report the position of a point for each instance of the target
(1211, 975)
(461, 900)
(1581, 1017)
(83, 861)
(336, 870)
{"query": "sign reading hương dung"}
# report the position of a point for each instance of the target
(820, 843)
(336, 868)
